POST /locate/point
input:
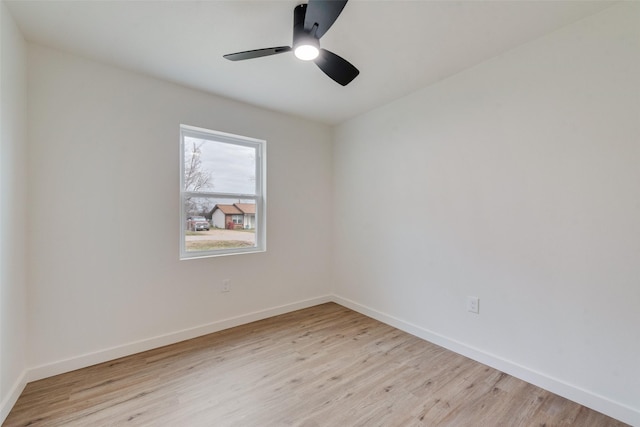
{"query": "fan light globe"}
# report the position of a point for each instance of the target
(306, 52)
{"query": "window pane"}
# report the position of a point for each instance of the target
(219, 224)
(221, 167)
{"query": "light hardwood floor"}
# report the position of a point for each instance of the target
(322, 366)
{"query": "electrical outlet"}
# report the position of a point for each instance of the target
(473, 305)
(226, 285)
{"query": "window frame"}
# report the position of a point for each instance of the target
(259, 145)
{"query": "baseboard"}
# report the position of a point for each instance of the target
(89, 359)
(587, 398)
(12, 396)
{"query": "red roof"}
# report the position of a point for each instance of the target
(247, 208)
(236, 208)
(228, 209)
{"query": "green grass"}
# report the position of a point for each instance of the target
(210, 245)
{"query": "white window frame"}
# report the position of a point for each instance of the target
(259, 197)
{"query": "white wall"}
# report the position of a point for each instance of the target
(13, 187)
(105, 277)
(521, 181)
(218, 218)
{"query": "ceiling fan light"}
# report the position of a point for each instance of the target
(306, 52)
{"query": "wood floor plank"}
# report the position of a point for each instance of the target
(322, 366)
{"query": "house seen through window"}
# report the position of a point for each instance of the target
(222, 193)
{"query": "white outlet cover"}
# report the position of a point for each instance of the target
(473, 304)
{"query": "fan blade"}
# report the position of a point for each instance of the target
(257, 53)
(324, 13)
(335, 67)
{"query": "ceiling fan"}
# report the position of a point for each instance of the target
(310, 22)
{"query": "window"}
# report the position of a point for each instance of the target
(222, 183)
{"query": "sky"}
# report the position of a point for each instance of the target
(232, 167)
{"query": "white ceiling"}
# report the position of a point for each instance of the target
(398, 46)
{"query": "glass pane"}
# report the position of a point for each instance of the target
(220, 167)
(215, 223)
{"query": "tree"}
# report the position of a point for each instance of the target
(195, 179)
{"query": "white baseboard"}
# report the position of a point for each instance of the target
(12, 396)
(587, 398)
(88, 359)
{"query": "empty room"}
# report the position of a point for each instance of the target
(320, 213)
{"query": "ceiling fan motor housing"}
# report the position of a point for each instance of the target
(300, 36)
